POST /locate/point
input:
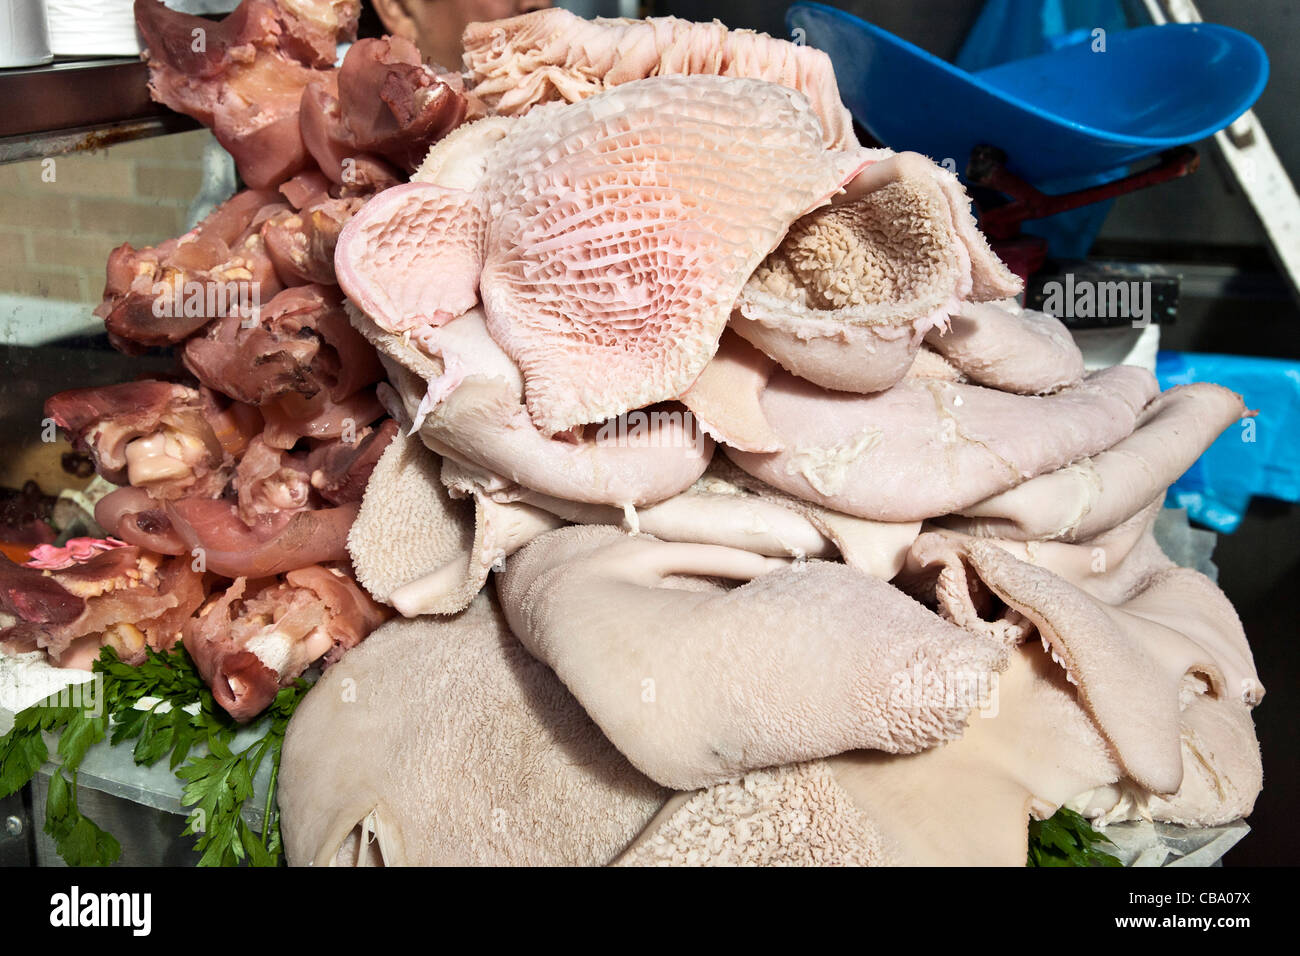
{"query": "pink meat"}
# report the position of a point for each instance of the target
(306, 189)
(382, 106)
(234, 423)
(366, 175)
(291, 417)
(239, 84)
(306, 31)
(241, 684)
(550, 55)
(246, 80)
(275, 543)
(301, 243)
(313, 29)
(341, 470)
(927, 447)
(352, 614)
(123, 597)
(248, 647)
(303, 345)
(162, 294)
(392, 104)
(269, 481)
(252, 365)
(324, 133)
(153, 433)
(135, 517)
(280, 513)
(613, 236)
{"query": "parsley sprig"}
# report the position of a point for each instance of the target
(23, 752)
(219, 782)
(1067, 839)
(199, 747)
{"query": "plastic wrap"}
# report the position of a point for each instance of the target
(1256, 456)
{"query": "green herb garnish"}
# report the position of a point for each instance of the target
(79, 840)
(1067, 839)
(218, 780)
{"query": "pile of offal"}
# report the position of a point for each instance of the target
(734, 510)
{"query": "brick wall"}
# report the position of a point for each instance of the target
(55, 237)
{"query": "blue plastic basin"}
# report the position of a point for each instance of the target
(1072, 112)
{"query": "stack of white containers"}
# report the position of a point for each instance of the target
(80, 28)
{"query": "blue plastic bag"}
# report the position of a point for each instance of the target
(1258, 456)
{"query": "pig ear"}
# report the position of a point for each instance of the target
(412, 256)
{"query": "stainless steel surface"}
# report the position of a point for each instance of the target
(16, 149)
(149, 837)
(79, 105)
(17, 846)
(76, 93)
